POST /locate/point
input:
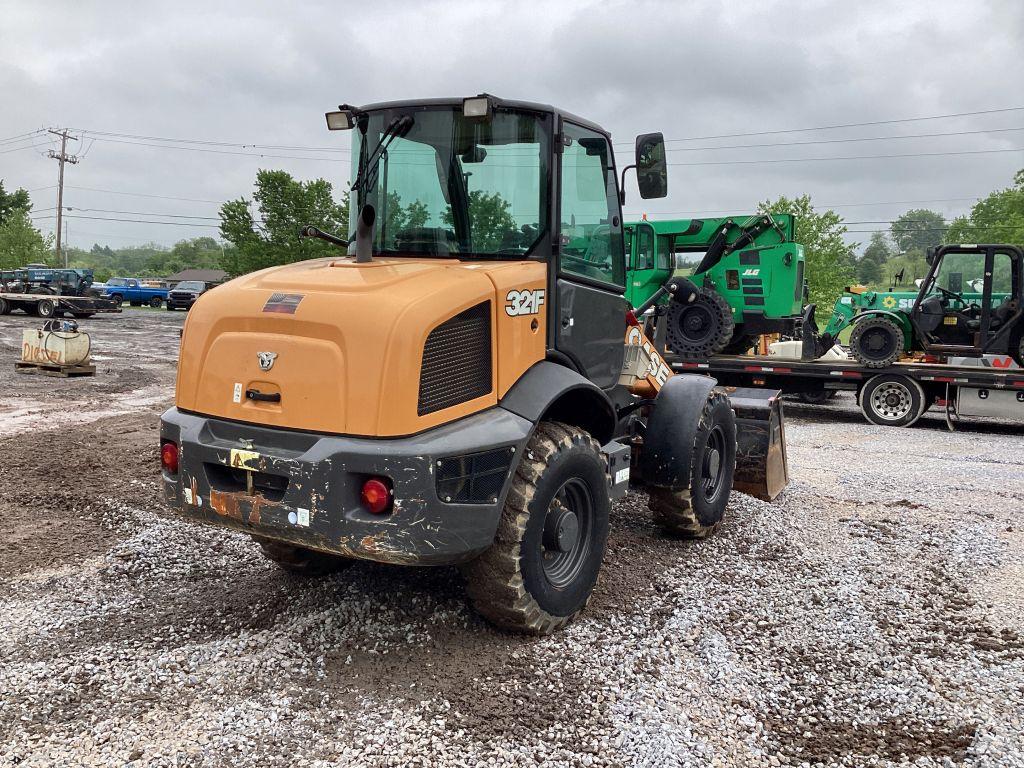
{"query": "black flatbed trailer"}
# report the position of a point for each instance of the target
(893, 396)
(53, 305)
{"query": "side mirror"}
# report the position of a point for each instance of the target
(929, 255)
(651, 165)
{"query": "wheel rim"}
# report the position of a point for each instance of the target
(877, 343)
(568, 530)
(892, 401)
(712, 464)
(696, 324)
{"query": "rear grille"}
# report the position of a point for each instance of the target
(476, 478)
(456, 361)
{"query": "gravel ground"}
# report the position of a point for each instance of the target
(874, 615)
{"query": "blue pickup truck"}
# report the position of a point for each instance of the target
(135, 292)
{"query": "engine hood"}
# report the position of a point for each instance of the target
(337, 347)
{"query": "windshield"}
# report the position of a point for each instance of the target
(454, 186)
(191, 286)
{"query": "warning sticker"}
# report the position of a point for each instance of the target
(283, 303)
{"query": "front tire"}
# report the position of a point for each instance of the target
(697, 511)
(741, 344)
(876, 342)
(701, 328)
(541, 569)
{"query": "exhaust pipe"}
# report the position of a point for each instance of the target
(364, 234)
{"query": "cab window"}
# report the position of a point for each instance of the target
(645, 247)
(591, 233)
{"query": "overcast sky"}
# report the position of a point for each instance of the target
(264, 73)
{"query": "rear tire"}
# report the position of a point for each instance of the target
(5, 307)
(302, 561)
(541, 569)
(156, 302)
(892, 401)
(818, 397)
(876, 342)
(117, 298)
(701, 328)
(46, 308)
(696, 512)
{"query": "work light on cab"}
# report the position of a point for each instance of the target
(376, 495)
(169, 456)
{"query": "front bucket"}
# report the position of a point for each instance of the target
(761, 467)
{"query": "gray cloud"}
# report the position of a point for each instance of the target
(265, 73)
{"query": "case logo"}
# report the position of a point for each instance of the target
(266, 360)
(524, 302)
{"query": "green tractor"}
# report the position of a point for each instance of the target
(968, 305)
(749, 281)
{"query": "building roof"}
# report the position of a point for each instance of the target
(204, 275)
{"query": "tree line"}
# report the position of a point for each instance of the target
(264, 231)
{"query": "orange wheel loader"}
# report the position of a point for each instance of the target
(464, 383)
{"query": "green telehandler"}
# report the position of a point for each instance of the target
(969, 304)
(749, 280)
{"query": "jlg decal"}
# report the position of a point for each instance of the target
(523, 302)
(751, 272)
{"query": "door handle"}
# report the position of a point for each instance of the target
(263, 397)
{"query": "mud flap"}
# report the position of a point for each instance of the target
(761, 467)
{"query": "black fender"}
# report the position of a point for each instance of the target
(552, 391)
(666, 459)
(682, 290)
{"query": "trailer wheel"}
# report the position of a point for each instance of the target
(876, 341)
(700, 328)
(302, 561)
(817, 397)
(117, 298)
(5, 307)
(539, 572)
(46, 308)
(696, 512)
(889, 400)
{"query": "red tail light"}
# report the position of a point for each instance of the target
(169, 456)
(376, 495)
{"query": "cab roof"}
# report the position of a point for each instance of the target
(527, 106)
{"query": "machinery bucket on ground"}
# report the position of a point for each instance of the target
(762, 469)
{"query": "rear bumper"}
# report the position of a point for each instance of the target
(307, 486)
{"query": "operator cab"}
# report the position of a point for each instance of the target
(970, 300)
(487, 179)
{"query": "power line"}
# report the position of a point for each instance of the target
(21, 136)
(206, 142)
(256, 155)
(839, 125)
(849, 157)
(142, 213)
(30, 146)
(843, 141)
(145, 221)
(140, 194)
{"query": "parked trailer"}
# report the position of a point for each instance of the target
(895, 396)
(48, 305)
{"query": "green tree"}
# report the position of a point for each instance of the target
(999, 218)
(870, 266)
(11, 202)
(490, 217)
(284, 205)
(918, 229)
(21, 243)
(829, 269)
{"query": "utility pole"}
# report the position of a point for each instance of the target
(62, 157)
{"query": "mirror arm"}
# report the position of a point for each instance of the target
(622, 184)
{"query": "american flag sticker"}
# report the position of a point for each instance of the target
(283, 303)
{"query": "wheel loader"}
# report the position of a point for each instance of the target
(969, 304)
(465, 382)
(749, 280)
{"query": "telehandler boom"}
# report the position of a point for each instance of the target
(467, 384)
